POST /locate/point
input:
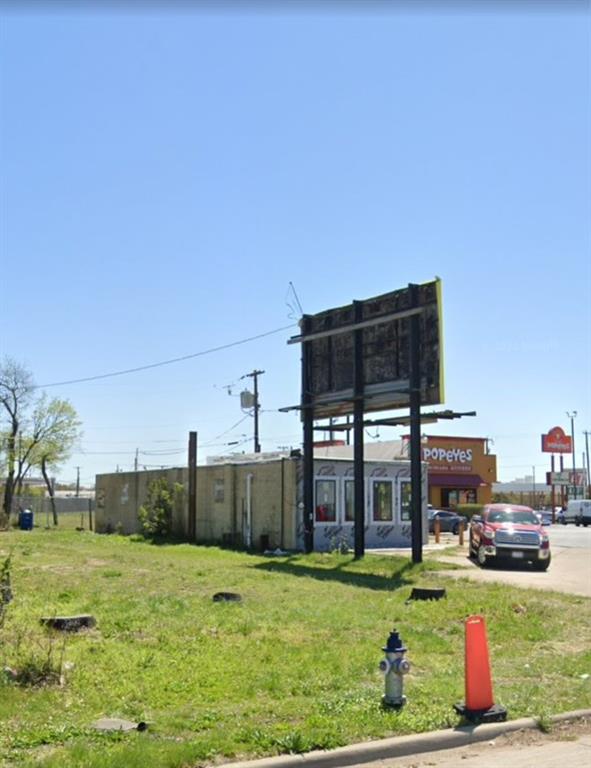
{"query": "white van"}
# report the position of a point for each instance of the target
(578, 511)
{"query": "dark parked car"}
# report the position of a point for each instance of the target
(450, 521)
(545, 516)
(510, 532)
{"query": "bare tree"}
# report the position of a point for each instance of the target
(16, 392)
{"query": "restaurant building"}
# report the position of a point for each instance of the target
(460, 469)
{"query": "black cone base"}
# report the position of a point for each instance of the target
(494, 714)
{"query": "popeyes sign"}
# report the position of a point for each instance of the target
(556, 441)
(448, 458)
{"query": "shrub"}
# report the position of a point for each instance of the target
(469, 510)
(156, 514)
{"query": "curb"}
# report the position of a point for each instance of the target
(402, 746)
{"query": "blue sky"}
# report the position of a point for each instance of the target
(166, 174)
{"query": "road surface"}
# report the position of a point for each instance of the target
(570, 569)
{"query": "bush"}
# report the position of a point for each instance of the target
(469, 510)
(155, 515)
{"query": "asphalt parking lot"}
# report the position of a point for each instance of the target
(570, 570)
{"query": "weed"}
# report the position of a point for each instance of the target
(5, 588)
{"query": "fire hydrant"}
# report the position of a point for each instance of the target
(394, 667)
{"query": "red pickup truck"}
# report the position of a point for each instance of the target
(509, 532)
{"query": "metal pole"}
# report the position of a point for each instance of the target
(553, 497)
(308, 467)
(533, 469)
(358, 457)
(415, 428)
(586, 433)
(572, 433)
(77, 482)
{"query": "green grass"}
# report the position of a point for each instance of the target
(291, 668)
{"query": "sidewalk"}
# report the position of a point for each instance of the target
(518, 743)
(568, 747)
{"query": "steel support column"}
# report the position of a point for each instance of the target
(308, 419)
(415, 429)
(358, 427)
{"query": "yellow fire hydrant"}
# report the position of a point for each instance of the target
(394, 667)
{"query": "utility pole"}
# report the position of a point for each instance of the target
(77, 482)
(255, 376)
(533, 469)
(135, 462)
(572, 415)
(586, 433)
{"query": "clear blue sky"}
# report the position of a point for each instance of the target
(165, 175)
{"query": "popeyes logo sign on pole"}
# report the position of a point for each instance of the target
(556, 441)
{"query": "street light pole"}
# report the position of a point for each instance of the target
(572, 417)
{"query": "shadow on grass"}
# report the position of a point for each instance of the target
(399, 577)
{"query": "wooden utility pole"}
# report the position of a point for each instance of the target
(192, 511)
(255, 376)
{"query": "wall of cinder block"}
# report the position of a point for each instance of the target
(221, 502)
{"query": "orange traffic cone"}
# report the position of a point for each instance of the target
(479, 705)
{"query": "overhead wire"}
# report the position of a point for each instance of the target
(167, 362)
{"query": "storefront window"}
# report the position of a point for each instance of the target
(450, 498)
(405, 502)
(349, 501)
(326, 508)
(382, 500)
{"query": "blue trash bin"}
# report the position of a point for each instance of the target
(26, 520)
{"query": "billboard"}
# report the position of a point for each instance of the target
(383, 327)
(556, 441)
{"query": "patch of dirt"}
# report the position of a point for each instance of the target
(566, 731)
(57, 568)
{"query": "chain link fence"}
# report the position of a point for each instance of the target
(76, 511)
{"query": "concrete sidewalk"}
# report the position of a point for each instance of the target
(409, 751)
(518, 750)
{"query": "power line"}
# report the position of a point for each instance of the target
(167, 362)
(225, 432)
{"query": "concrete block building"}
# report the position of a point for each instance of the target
(256, 501)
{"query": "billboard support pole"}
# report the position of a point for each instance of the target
(415, 429)
(308, 468)
(358, 457)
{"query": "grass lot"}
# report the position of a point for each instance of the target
(291, 668)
